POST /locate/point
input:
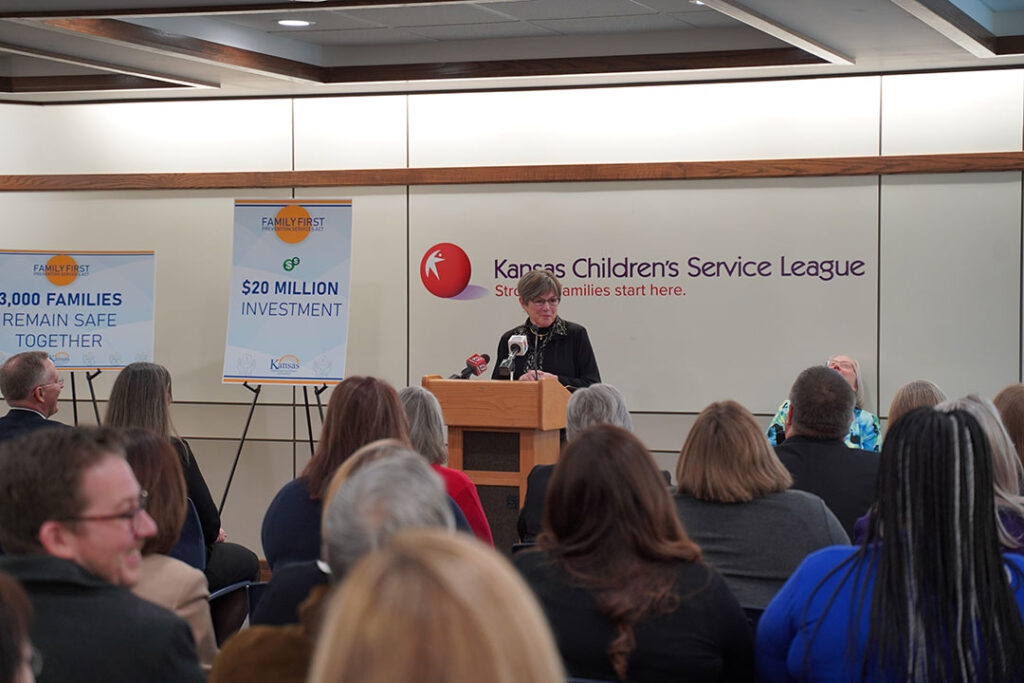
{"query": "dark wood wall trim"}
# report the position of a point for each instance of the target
(554, 173)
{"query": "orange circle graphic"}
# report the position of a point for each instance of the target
(61, 270)
(292, 224)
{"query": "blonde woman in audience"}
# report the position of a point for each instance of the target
(396, 491)
(164, 580)
(435, 607)
(734, 500)
(916, 394)
(623, 586)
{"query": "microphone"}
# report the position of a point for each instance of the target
(475, 365)
(517, 346)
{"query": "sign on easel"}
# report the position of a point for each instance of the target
(89, 310)
(288, 312)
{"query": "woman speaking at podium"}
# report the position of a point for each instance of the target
(554, 347)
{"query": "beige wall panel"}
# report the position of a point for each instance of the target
(377, 317)
(226, 421)
(950, 282)
(947, 113)
(147, 137)
(752, 120)
(350, 132)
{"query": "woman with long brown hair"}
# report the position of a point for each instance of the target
(164, 580)
(623, 586)
(141, 398)
(361, 410)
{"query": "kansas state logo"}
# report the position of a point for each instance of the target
(445, 270)
(285, 364)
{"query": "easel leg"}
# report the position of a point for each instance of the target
(241, 442)
(90, 376)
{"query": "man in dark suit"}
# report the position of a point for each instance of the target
(31, 386)
(73, 521)
(820, 412)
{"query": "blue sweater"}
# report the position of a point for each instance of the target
(789, 621)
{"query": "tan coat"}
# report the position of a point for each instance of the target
(182, 589)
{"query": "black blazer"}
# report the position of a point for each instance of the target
(91, 631)
(841, 476)
(20, 421)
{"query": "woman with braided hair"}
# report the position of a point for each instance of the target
(928, 596)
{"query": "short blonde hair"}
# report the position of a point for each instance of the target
(916, 394)
(727, 458)
(433, 606)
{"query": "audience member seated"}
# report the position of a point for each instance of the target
(291, 584)
(19, 661)
(917, 394)
(73, 522)
(596, 404)
(398, 491)
(141, 398)
(1010, 403)
(622, 585)
(31, 386)
(1007, 472)
(864, 431)
(361, 410)
(928, 596)
(734, 500)
(426, 432)
(431, 606)
(164, 580)
(820, 410)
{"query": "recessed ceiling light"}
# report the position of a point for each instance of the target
(295, 23)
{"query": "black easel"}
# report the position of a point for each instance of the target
(241, 442)
(89, 376)
(248, 421)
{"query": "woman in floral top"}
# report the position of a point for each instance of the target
(864, 430)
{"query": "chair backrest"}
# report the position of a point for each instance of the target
(191, 546)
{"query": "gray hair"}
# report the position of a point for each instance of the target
(596, 404)
(1006, 466)
(537, 283)
(21, 373)
(395, 493)
(426, 423)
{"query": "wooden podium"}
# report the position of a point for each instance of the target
(497, 431)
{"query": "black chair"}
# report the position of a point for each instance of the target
(753, 615)
(229, 606)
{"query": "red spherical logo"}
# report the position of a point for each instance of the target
(445, 270)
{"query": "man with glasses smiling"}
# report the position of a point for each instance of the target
(73, 520)
(31, 386)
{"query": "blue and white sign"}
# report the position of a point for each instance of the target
(288, 314)
(89, 310)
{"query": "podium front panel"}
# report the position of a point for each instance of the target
(490, 451)
(501, 505)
